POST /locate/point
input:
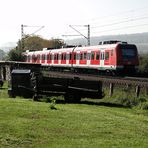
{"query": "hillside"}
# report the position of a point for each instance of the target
(140, 39)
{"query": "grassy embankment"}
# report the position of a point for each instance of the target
(24, 123)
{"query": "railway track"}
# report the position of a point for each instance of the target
(136, 81)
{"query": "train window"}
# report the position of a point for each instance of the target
(43, 56)
(54, 56)
(85, 55)
(81, 56)
(67, 56)
(59, 56)
(106, 55)
(64, 56)
(78, 56)
(92, 55)
(88, 56)
(97, 55)
(70, 56)
(48, 56)
(128, 53)
(74, 56)
(38, 57)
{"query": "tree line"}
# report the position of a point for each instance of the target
(32, 43)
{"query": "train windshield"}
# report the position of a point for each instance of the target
(128, 52)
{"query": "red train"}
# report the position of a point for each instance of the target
(109, 56)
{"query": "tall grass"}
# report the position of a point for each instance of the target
(126, 96)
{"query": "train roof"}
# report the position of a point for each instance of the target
(101, 45)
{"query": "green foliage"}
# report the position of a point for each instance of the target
(38, 43)
(143, 65)
(143, 105)
(126, 97)
(15, 55)
(32, 43)
(53, 103)
(132, 102)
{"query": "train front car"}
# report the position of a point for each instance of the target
(127, 59)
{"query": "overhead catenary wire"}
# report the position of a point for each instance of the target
(131, 17)
(116, 23)
(141, 25)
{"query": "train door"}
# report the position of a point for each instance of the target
(107, 58)
(88, 58)
(77, 58)
(67, 58)
(102, 60)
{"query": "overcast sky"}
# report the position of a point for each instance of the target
(105, 17)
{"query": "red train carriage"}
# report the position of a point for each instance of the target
(110, 57)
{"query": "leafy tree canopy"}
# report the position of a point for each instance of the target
(15, 55)
(32, 43)
(38, 43)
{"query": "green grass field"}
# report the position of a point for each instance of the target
(24, 123)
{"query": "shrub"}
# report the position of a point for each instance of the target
(143, 106)
(53, 103)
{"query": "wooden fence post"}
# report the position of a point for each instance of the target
(111, 87)
(137, 90)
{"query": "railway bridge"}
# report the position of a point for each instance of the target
(33, 80)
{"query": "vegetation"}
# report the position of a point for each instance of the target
(143, 65)
(24, 123)
(31, 43)
(38, 43)
(15, 55)
(32, 124)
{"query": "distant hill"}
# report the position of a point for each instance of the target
(140, 39)
(8, 46)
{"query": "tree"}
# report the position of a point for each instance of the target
(38, 43)
(32, 43)
(143, 66)
(15, 55)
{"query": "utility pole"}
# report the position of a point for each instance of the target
(88, 38)
(80, 34)
(23, 36)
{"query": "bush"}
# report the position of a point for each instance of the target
(143, 106)
(15, 55)
(53, 103)
(132, 101)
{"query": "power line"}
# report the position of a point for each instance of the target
(80, 34)
(117, 14)
(121, 28)
(23, 35)
(116, 23)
